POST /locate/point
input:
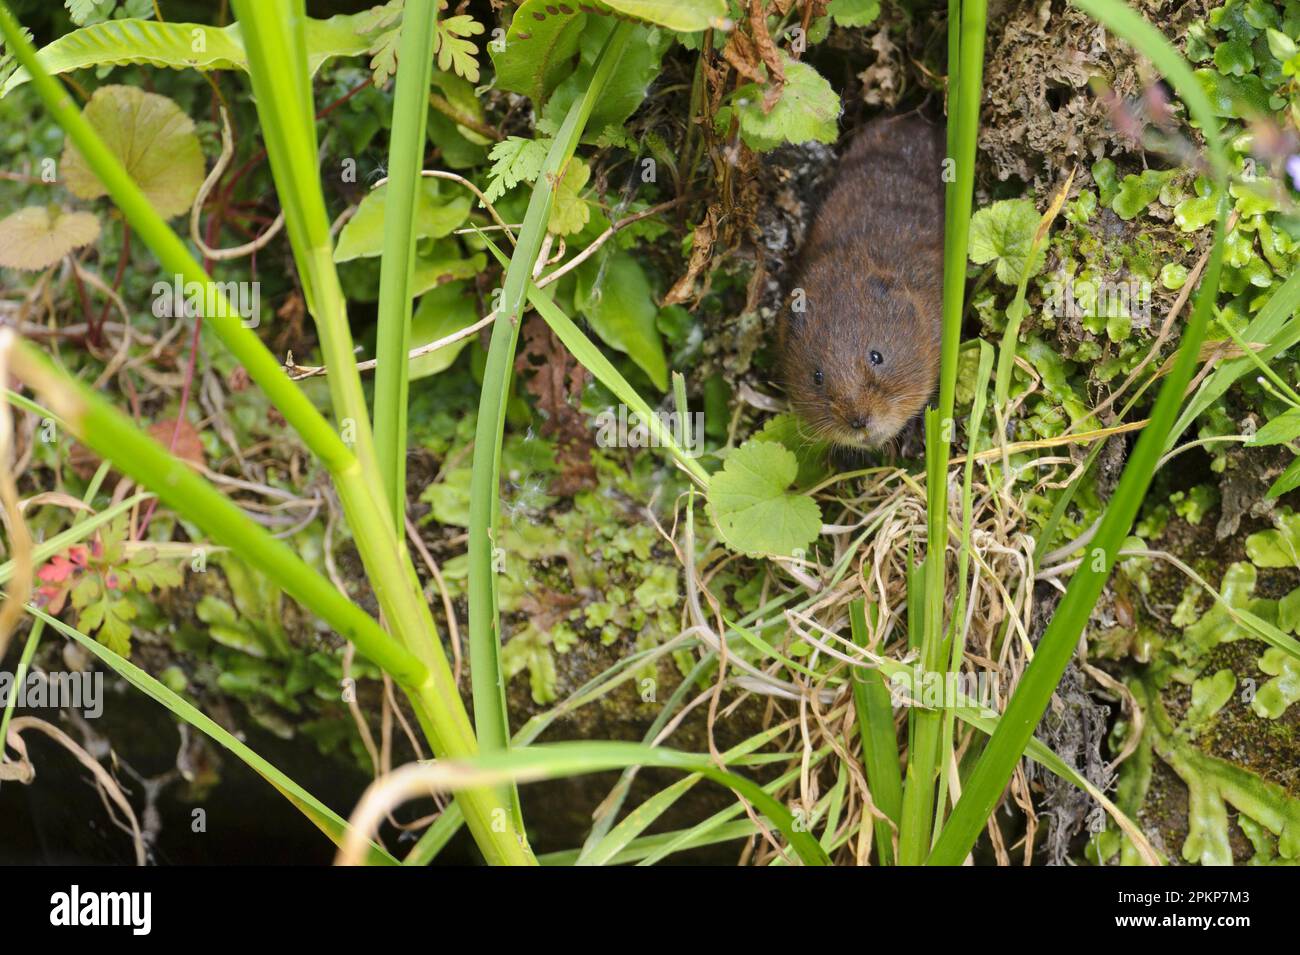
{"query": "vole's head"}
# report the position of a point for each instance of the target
(861, 358)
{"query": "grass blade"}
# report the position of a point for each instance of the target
(113, 436)
(879, 740)
(963, 130)
(273, 34)
(956, 640)
(490, 719)
(263, 367)
(602, 369)
(405, 155)
(559, 760)
(1270, 325)
(1056, 647)
(324, 818)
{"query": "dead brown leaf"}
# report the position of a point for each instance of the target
(556, 379)
(768, 52)
(706, 233)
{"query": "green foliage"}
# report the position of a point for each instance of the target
(438, 215)
(1282, 429)
(596, 571)
(102, 582)
(613, 293)
(455, 50)
(595, 546)
(570, 212)
(442, 311)
(1137, 192)
(83, 11)
(253, 624)
(1003, 234)
(181, 46)
(685, 16)
(1209, 694)
(1279, 547)
(854, 13)
(538, 50)
(382, 25)
(808, 110)
(1284, 689)
(753, 509)
(624, 93)
(788, 431)
(87, 12)
(515, 160)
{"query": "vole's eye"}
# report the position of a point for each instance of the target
(818, 378)
(876, 357)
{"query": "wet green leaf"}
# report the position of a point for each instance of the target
(752, 507)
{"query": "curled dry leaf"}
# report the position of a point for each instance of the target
(37, 237)
(741, 53)
(706, 233)
(768, 52)
(556, 379)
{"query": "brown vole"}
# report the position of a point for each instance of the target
(861, 334)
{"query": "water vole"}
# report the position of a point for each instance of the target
(862, 356)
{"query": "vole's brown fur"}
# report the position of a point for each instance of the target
(862, 357)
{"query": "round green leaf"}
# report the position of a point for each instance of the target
(1004, 233)
(752, 507)
(154, 140)
(854, 13)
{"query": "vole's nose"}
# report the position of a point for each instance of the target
(858, 423)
